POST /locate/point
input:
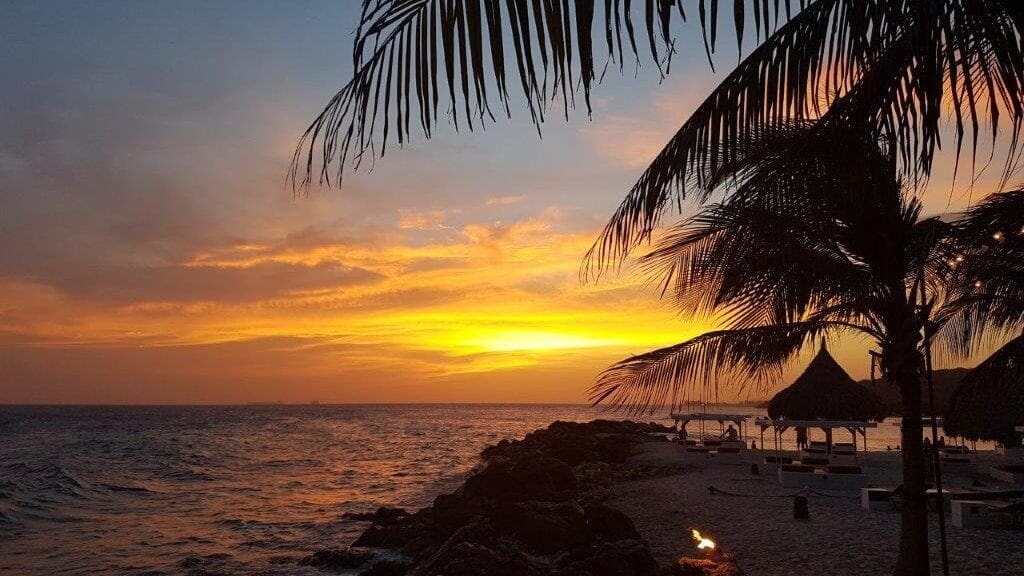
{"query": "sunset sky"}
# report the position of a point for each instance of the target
(152, 251)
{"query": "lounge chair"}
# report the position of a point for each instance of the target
(876, 498)
(987, 514)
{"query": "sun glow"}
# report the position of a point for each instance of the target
(538, 341)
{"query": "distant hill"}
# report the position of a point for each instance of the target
(945, 381)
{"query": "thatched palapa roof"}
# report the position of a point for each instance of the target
(826, 392)
(990, 400)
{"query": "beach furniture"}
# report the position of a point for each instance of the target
(728, 455)
(827, 478)
(876, 498)
(974, 514)
(720, 448)
(987, 514)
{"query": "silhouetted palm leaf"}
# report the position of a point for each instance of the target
(891, 66)
(649, 381)
(825, 241)
(412, 57)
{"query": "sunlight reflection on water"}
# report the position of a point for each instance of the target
(233, 490)
(148, 490)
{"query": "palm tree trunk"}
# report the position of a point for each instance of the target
(913, 550)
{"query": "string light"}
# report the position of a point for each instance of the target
(998, 236)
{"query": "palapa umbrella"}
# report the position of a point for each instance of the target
(989, 402)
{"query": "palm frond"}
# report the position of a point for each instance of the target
(890, 66)
(420, 61)
(645, 382)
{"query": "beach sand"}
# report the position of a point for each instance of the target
(839, 539)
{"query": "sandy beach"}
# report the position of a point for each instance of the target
(758, 528)
(610, 498)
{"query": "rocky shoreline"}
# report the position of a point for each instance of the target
(534, 508)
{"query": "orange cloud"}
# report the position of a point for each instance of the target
(431, 220)
(504, 200)
(487, 298)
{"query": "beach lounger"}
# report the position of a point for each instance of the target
(728, 455)
(954, 459)
(842, 478)
(876, 498)
(844, 469)
(984, 513)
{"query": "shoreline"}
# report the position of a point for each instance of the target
(574, 499)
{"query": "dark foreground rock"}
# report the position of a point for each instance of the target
(528, 511)
(336, 560)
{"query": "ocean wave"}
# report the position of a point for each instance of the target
(119, 488)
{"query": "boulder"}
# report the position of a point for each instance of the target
(398, 532)
(592, 475)
(531, 476)
(382, 516)
(386, 568)
(609, 523)
(451, 511)
(622, 558)
(336, 560)
(469, 559)
(542, 527)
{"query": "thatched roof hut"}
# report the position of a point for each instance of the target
(826, 392)
(990, 400)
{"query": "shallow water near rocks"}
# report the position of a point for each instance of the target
(231, 490)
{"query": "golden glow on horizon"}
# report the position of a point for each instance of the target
(477, 300)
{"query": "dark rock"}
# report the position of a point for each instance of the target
(411, 530)
(622, 558)
(543, 528)
(531, 476)
(386, 568)
(382, 516)
(615, 448)
(532, 510)
(450, 511)
(336, 559)
(609, 524)
(468, 559)
(592, 475)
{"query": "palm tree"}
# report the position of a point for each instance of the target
(895, 69)
(913, 64)
(992, 234)
(808, 245)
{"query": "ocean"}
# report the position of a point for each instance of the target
(233, 489)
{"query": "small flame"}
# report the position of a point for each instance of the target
(702, 542)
